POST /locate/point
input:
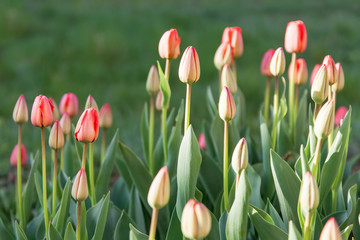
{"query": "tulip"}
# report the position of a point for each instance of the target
(320, 86)
(159, 191)
(223, 55)
(158, 101)
(313, 73)
(301, 71)
(228, 79)
(153, 81)
(277, 63)
(189, 68)
(340, 115)
(330, 231)
(195, 220)
(239, 160)
(169, 45)
(65, 124)
(202, 142)
(324, 120)
(41, 113)
(330, 69)
(56, 138)
(265, 63)
(105, 117)
(91, 103)
(14, 155)
(20, 113)
(309, 194)
(233, 36)
(227, 108)
(87, 128)
(55, 112)
(340, 82)
(79, 189)
(295, 37)
(69, 104)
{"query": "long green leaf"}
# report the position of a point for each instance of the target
(301, 123)
(214, 233)
(53, 233)
(268, 187)
(96, 218)
(135, 210)
(70, 233)
(174, 230)
(212, 107)
(20, 235)
(113, 216)
(255, 183)
(122, 228)
(293, 232)
(4, 232)
(164, 88)
(59, 220)
(136, 234)
(144, 129)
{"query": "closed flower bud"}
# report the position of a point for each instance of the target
(91, 103)
(14, 155)
(169, 45)
(69, 104)
(87, 128)
(153, 81)
(41, 112)
(20, 113)
(301, 71)
(233, 36)
(313, 73)
(189, 68)
(320, 86)
(309, 194)
(330, 69)
(195, 220)
(240, 157)
(56, 137)
(223, 55)
(330, 231)
(277, 63)
(227, 108)
(65, 124)
(202, 142)
(105, 117)
(340, 115)
(265, 63)
(325, 120)
(228, 79)
(55, 112)
(158, 102)
(340, 79)
(295, 37)
(159, 191)
(80, 190)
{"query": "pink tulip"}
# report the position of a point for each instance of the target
(69, 104)
(65, 124)
(105, 117)
(56, 113)
(202, 142)
(14, 156)
(265, 63)
(301, 71)
(340, 115)
(41, 113)
(169, 45)
(295, 37)
(313, 73)
(233, 36)
(330, 69)
(87, 128)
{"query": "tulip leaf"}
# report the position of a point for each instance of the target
(144, 129)
(20, 235)
(120, 195)
(236, 225)
(136, 234)
(136, 210)
(71, 162)
(96, 218)
(268, 187)
(35, 229)
(222, 225)
(174, 230)
(59, 220)
(122, 228)
(287, 186)
(293, 232)
(188, 168)
(164, 88)
(53, 233)
(255, 183)
(69, 232)
(275, 216)
(212, 107)
(301, 123)
(4, 232)
(211, 148)
(104, 176)
(214, 233)
(113, 216)
(38, 187)
(121, 166)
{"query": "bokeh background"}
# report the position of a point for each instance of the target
(106, 47)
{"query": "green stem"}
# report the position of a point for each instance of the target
(267, 100)
(316, 161)
(62, 158)
(83, 161)
(331, 135)
(187, 107)
(78, 218)
(54, 184)
(91, 174)
(154, 218)
(103, 145)
(151, 135)
(297, 90)
(163, 129)
(167, 69)
(46, 217)
(226, 164)
(307, 227)
(276, 109)
(291, 95)
(19, 182)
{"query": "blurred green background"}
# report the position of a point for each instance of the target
(106, 48)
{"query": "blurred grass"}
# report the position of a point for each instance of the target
(107, 47)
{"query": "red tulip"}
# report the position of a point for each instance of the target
(69, 104)
(14, 155)
(202, 142)
(330, 69)
(233, 36)
(105, 117)
(295, 37)
(313, 73)
(20, 113)
(169, 45)
(340, 115)
(301, 71)
(189, 69)
(265, 63)
(41, 113)
(87, 128)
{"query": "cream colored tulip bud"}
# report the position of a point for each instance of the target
(153, 81)
(158, 101)
(189, 68)
(325, 120)
(56, 137)
(65, 123)
(330, 231)
(20, 113)
(105, 116)
(227, 108)
(195, 220)
(228, 79)
(240, 157)
(223, 55)
(159, 191)
(277, 64)
(340, 78)
(79, 189)
(91, 103)
(309, 194)
(55, 111)
(320, 86)
(330, 69)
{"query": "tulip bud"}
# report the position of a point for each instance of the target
(56, 137)
(239, 160)
(320, 87)
(153, 81)
(87, 128)
(80, 190)
(105, 117)
(330, 69)
(223, 55)
(169, 45)
(91, 103)
(325, 120)
(55, 112)
(41, 112)
(159, 191)
(65, 124)
(301, 71)
(158, 102)
(330, 231)
(202, 142)
(189, 68)
(340, 115)
(309, 194)
(340, 78)
(228, 79)
(277, 63)
(227, 108)
(313, 73)
(20, 113)
(195, 220)
(295, 37)
(233, 36)
(69, 104)
(14, 156)
(265, 63)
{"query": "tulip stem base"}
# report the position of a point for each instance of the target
(331, 135)
(91, 174)
(307, 226)
(297, 92)
(163, 129)
(54, 184)
(46, 217)
(151, 135)
(267, 100)
(103, 145)
(291, 96)
(316, 160)
(153, 224)
(83, 161)
(187, 107)
(276, 109)
(78, 218)
(19, 182)
(62, 158)
(226, 165)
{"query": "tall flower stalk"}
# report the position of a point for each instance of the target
(105, 122)
(80, 193)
